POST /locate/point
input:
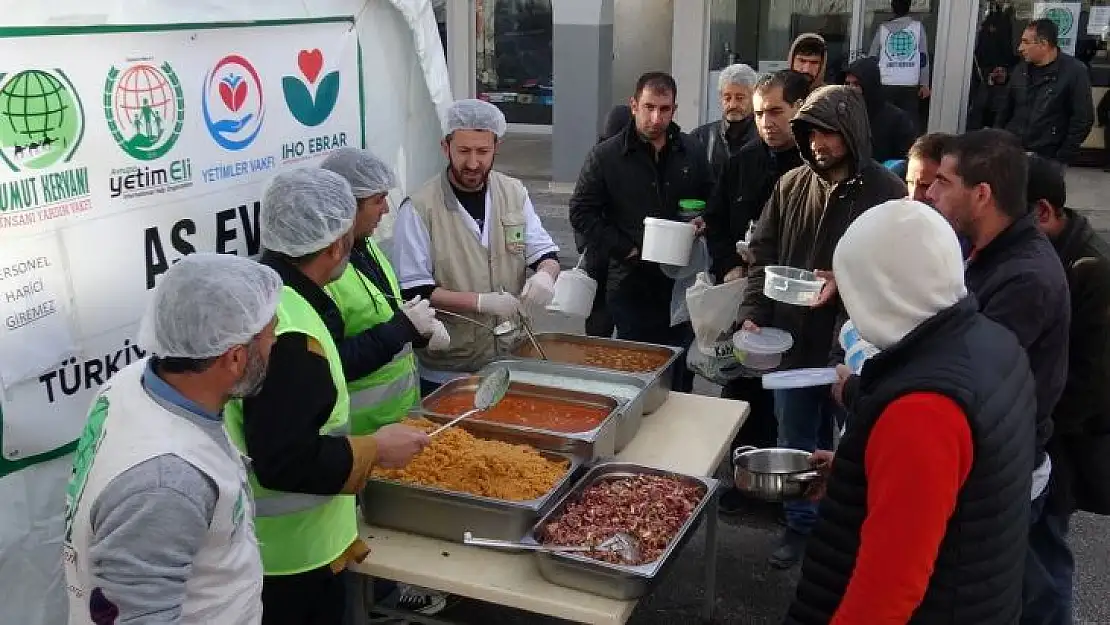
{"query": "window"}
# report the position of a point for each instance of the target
(514, 58)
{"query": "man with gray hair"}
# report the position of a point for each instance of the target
(724, 137)
(159, 523)
(306, 466)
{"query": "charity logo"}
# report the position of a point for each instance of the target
(41, 119)
(145, 107)
(232, 103)
(1062, 18)
(901, 45)
(309, 109)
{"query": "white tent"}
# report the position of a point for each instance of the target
(404, 90)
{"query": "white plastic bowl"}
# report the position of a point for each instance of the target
(667, 242)
(791, 286)
(574, 294)
(763, 350)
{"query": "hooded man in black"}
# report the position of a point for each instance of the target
(896, 129)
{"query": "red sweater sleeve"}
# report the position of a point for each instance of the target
(917, 459)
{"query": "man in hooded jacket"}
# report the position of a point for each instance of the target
(807, 213)
(809, 54)
(897, 128)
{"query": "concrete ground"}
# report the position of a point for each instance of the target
(749, 592)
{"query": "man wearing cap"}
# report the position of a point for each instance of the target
(378, 336)
(466, 239)
(305, 465)
(159, 522)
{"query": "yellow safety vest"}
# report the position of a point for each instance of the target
(387, 394)
(298, 532)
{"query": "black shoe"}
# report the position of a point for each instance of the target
(791, 549)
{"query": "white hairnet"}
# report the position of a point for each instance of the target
(208, 303)
(306, 210)
(367, 174)
(475, 115)
(737, 74)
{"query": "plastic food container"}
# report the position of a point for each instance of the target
(763, 350)
(574, 294)
(791, 286)
(667, 242)
(690, 209)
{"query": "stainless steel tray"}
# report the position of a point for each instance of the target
(616, 581)
(632, 403)
(598, 443)
(659, 380)
(445, 514)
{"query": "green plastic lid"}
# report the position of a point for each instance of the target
(691, 205)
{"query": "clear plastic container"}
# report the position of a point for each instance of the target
(791, 286)
(763, 350)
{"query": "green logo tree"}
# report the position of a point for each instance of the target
(308, 108)
(145, 108)
(41, 119)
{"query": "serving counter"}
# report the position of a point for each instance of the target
(688, 434)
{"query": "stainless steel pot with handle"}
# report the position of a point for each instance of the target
(773, 474)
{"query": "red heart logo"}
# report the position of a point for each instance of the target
(233, 97)
(310, 62)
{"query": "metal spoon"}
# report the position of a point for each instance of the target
(623, 544)
(491, 390)
(532, 336)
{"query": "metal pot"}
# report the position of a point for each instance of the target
(773, 474)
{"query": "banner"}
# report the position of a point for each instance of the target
(1066, 16)
(122, 149)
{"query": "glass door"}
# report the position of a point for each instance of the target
(870, 16)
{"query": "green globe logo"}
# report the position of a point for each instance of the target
(41, 119)
(145, 107)
(901, 45)
(1062, 18)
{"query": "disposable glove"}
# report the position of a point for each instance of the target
(538, 290)
(440, 339)
(498, 304)
(421, 314)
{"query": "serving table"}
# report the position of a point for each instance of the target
(688, 434)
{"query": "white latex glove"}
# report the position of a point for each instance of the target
(498, 304)
(421, 314)
(538, 290)
(440, 339)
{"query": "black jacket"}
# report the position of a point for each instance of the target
(805, 218)
(622, 182)
(1020, 283)
(1080, 445)
(739, 197)
(722, 139)
(977, 576)
(1051, 114)
(892, 130)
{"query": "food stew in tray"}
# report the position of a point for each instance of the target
(544, 413)
(651, 508)
(458, 461)
(628, 359)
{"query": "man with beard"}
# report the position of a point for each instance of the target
(642, 172)
(738, 200)
(466, 240)
(158, 524)
(306, 467)
(895, 129)
(1019, 281)
(808, 212)
(809, 55)
(723, 138)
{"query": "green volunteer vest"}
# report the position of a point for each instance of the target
(299, 532)
(387, 394)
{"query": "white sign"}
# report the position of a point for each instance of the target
(1098, 21)
(1066, 16)
(120, 153)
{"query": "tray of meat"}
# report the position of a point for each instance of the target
(659, 509)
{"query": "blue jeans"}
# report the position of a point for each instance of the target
(1049, 568)
(806, 419)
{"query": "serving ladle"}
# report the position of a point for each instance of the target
(491, 390)
(623, 544)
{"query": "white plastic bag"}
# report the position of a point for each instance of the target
(713, 310)
(684, 278)
(718, 364)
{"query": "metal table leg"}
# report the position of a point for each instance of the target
(711, 558)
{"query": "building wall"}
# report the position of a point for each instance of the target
(642, 31)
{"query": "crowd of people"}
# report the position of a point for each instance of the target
(977, 425)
